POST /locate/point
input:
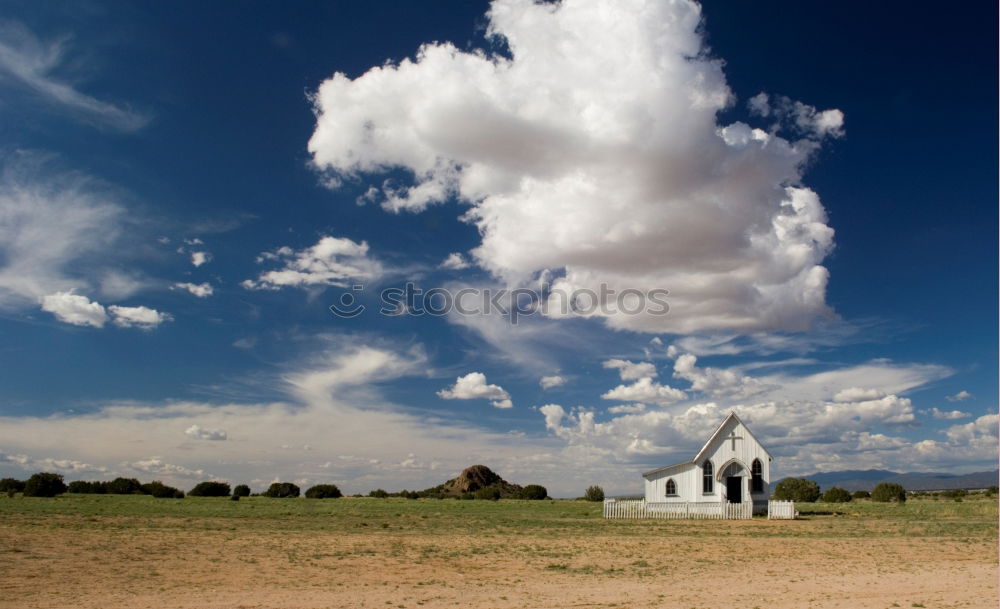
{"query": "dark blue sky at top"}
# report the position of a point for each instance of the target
(911, 190)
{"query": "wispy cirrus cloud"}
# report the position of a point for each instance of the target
(49, 220)
(33, 63)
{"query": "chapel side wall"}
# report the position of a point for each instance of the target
(689, 486)
(686, 480)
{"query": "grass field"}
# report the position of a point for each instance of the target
(137, 551)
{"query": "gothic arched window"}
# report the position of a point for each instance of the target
(671, 488)
(706, 477)
(756, 477)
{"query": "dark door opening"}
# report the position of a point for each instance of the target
(734, 489)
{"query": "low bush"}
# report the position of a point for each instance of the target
(81, 487)
(124, 486)
(379, 493)
(836, 495)
(11, 484)
(594, 493)
(488, 493)
(282, 490)
(323, 491)
(210, 489)
(161, 490)
(534, 491)
(861, 495)
(44, 484)
(797, 489)
(888, 491)
(86, 487)
(241, 490)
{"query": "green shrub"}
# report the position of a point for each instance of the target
(324, 491)
(124, 486)
(234, 497)
(888, 491)
(861, 495)
(467, 496)
(534, 491)
(489, 493)
(11, 484)
(282, 490)
(379, 493)
(80, 487)
(956, 494)
(161, 490)
(991, 491)
(210, 489)
(241, 490)
(797, 489)
(836, 495)
(44, 484)
(594, 493)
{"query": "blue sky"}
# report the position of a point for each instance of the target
(187, 188)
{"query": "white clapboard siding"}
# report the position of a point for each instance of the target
(781, 510)
(638, 508)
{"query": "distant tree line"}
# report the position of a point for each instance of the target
(492, 492)
(808, 491)
(50, 485)
(46, 484)
(125, 486)
(957, 495)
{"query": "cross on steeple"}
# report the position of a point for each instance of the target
(732, 436)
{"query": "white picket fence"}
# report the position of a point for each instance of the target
(781, 510)
(639, 508)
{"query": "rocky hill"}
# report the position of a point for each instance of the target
(473, 479)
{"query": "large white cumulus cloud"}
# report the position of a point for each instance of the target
(593, 151)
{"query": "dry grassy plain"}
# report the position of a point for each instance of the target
(108, 552)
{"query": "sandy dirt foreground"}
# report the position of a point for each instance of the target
(164, 567)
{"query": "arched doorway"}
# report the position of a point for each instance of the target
(732, 474)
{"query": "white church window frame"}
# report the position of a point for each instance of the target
(707, 477)
(670, 488)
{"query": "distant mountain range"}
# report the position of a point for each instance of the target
(858, 480)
